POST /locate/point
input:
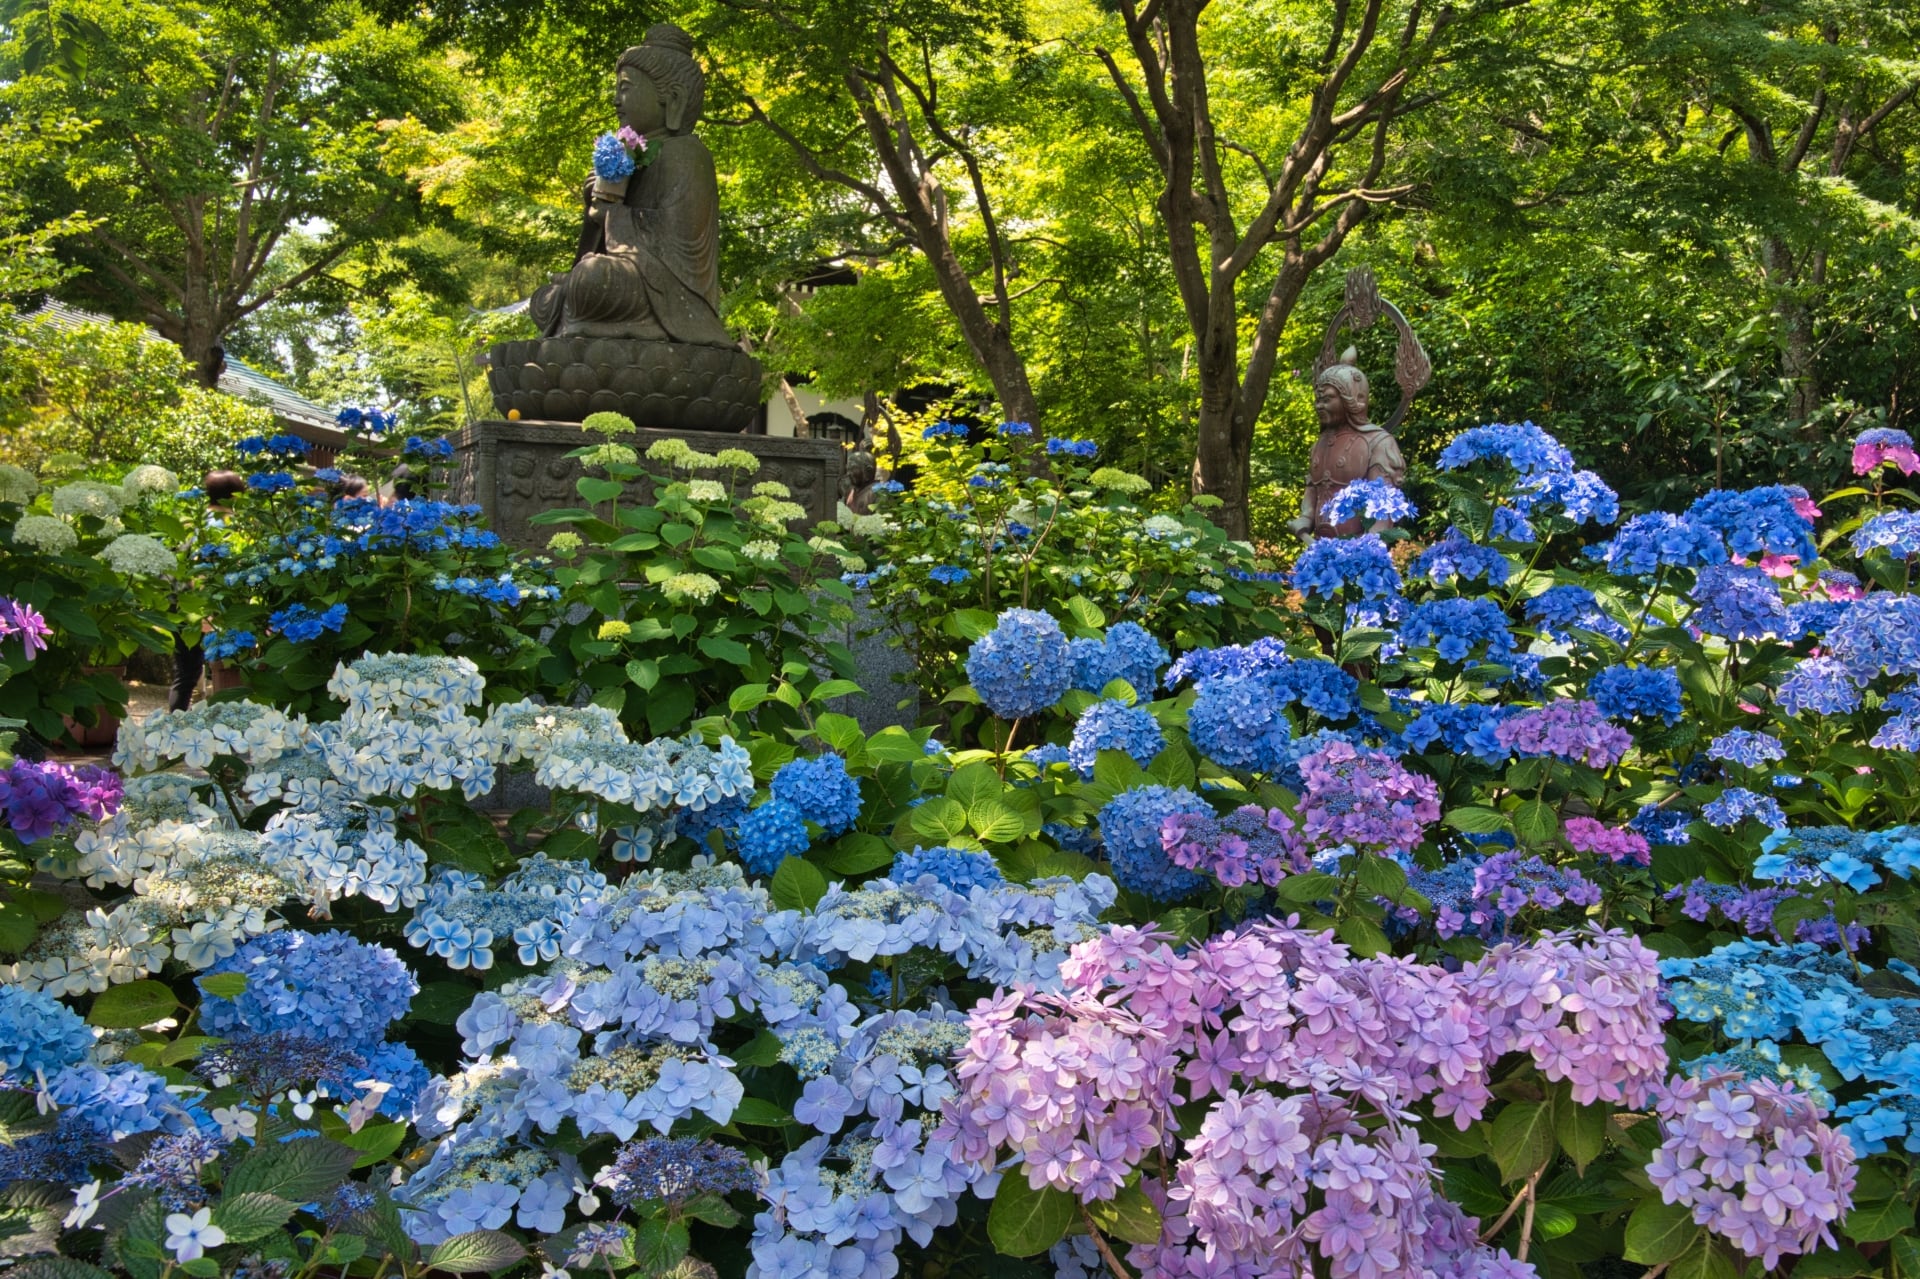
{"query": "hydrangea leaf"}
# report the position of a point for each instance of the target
(136, 1004)
(1658, 1232)
(797, 885)
(1476, 821)
(1129, 1215)
(1023, 1221)
(1523, 1139)
(299, 1171)
(1534, 822)
(251, 1215)
(1877, 1222)
(479, 1250)
(1704, 1260)
(1580, 1130)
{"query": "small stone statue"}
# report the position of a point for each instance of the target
(863, 473)
(1350, 447)
(648, 263)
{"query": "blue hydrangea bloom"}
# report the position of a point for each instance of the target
(1022, 666)
(1458, 556)
(949, 574)
(1240, 721)
(1581, 496)
(1739, 602)
(1368, 499)
(1821, 685)
(1130, 828)
(1635, 692)
(1057, 446)
(1560, 610)
(1135, 656)
(39, 1033)
(1877, 635)
(299, 623)
(1092, 664)
(1895, 532)
(326, 986)
(1114, 726)
(1525, 447)
(1746, 747)
(1646, 544)
(1333, 564)
(1463, 728)
(1737, 803)
(1662, 825)
(1757, 521)
(821, 790)
(770, 834)
(1457, 628)
(959, 869)
(611, 159)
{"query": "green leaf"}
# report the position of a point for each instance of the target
(1173, 766)
(225, 985)
(251, 1215)
(1877, 1222)
(855, 854)
(746, 697)
(374, 1142)
(1846, 1262)
(1186, 923)
(761, 1113)
(1905, 1251)
(1581, 1130)
(797, 885)
(1362, 935)
(1314, 886)
(597, 490)
(842, 732)
(201, 1268)
(1088, 614)
(299, 1171)
(939, 819)
(725, 650)
(1024, 1222)
(1658, 1232)
(894, 745)
(644, 672)
(1704, 1260)
(762, 1050)
(57, 1268)
(1535, 822)
(713, 1210)
(1381, 876)
(440, 1003)
(570, 844)
(1522, 1139)
(185, 1049)
(659, 1244)
(832, 688)
(1129, 1215)
(970, 623)
(1476, 821)
(972, 783)
(478, 1250)
(129, 1007)
(994, 822)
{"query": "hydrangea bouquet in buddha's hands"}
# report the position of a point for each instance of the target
(616, 156)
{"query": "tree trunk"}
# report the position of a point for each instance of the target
(1793, 321)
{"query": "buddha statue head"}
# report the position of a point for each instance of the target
(658, 87)
(1340, 394)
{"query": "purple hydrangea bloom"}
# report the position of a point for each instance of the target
(1130, 827)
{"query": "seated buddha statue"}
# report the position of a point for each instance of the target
(648, 267)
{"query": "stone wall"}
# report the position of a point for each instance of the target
(515, 470)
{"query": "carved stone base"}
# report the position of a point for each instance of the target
(667, 386)
(515, 470)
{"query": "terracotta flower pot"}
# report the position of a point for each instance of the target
(226, 678)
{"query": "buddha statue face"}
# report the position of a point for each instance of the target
(640, 104)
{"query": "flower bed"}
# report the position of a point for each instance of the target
(1536, 902)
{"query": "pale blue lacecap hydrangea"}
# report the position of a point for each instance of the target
(462, 920)
(1457, 556)
(1757, 521)
(959, 869)
(1902, 731)
(1130, 828)
(1739, 602)
(1637, 692)
(1021, 667)
(1558, 611)
(1746, 747)
(1371, 500)
(821, 789)
(1818, 855)
(770, 834)
(1336, 565)
(1114, 726)
(1646, 544)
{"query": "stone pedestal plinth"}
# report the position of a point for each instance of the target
(669, 384)
(515, 470)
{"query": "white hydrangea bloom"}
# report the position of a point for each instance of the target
(405, 682)
(139, 555)
(698, 587)
(257, 734)
(17, 484)
(46, 534)
(762, 551)
(88, 497)
(706, 491)
(145, 480)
